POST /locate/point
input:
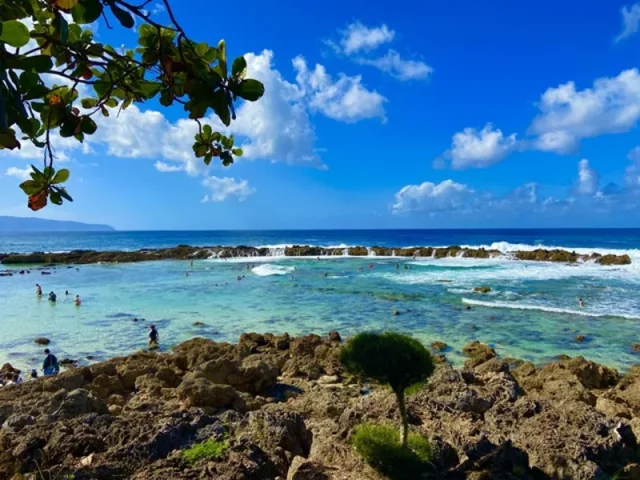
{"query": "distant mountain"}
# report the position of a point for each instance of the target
(29, 224)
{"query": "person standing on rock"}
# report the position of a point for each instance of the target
(154, 337)
(50, 365)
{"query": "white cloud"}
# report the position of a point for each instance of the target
(345, 99)
(444, 196)
(630, 21)
(588, 179)
(357, 37)
(399, 68)
(165, 167)
(568, 115)
(632, 173)
(20, 173)
(158, 8)
(474, 148)
(226, 187)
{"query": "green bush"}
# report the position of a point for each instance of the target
(391, 358)
(209, 450)
(380, 447)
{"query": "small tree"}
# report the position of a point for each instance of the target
(390, 358)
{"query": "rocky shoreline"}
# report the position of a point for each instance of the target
(186, 252)
(276, 407)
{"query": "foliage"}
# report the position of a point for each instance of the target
(390, 358)
(43, 41)
(380, 447)
(209, 450)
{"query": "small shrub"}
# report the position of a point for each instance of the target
(209, 450)
(380, 447)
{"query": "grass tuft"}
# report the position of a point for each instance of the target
(209, 450)
(380, 447)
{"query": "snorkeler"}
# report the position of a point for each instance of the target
(38, 290)
(77, 301)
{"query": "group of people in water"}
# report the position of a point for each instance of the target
(53, 298)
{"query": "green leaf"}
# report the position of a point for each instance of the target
(31, 187)
(239, 67)
(86, 11)
(88, 126)
(222, 59)
(206, 131)
(38, 63)
(124, 17)
(63, 193)
(111, 103)
(200, 150)
(61, 176)
(201, 49)
(219, 104)
(28, 80)
(250, 90)
(89, 102)
(226, 158)
(8, 140)
(207, 158)
(104, 111)
(14, 33)
(62, 27)
(55, 198)
(237, 152)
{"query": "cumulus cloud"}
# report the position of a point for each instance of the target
(357, 37)
(20, 173)
(444, 196)
(393, 64)
(568, 115)
(474, 148)
(588, 179)
(225, 187)
(165, 167)
(630, 21)
(344, 99)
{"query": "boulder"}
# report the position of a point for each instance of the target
(200, 392)
(438, 346)
(42, 341)
(75, 403)
(478, 353)
(17, 422)
(104, 386)
(334, 337)
(303, 469)
(579, 338)
(8, 368)
(483, 289)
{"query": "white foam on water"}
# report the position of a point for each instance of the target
(268, 269)
(545, 308)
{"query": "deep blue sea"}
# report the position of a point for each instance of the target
(532, 311)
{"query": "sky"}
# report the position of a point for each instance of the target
(415, 114)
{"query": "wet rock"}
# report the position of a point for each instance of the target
(42, 341)
(200, 392)
(579, 338)
(395, 312)
(483, 289)
(478, 353)
(8, 368)
(198, 324)
(438, 346)
(635, 347)
(68, 362)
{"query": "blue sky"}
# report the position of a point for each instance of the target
(405, 115)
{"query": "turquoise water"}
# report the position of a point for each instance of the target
(531, 313)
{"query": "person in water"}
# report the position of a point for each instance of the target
(50, 365)
(38, 290)
(580, 303)
(77, 301)
(52, 297)
(154, 337)
(66, 292)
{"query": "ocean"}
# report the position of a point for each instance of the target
(531, 312)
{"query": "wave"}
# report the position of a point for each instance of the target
(268, 269)
(543, 308)
(506, 247)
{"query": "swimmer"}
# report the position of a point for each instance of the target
(38, 290)
(406, 267)
(77, 301)
(186, 274)
(397, 266)
(52, 297)
(580, 303)
(326, 274)
(239, 278)
(191, 264)
(66, 292)
(371, 266)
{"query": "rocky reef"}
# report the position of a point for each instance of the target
(186, 252)
(276, 407)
